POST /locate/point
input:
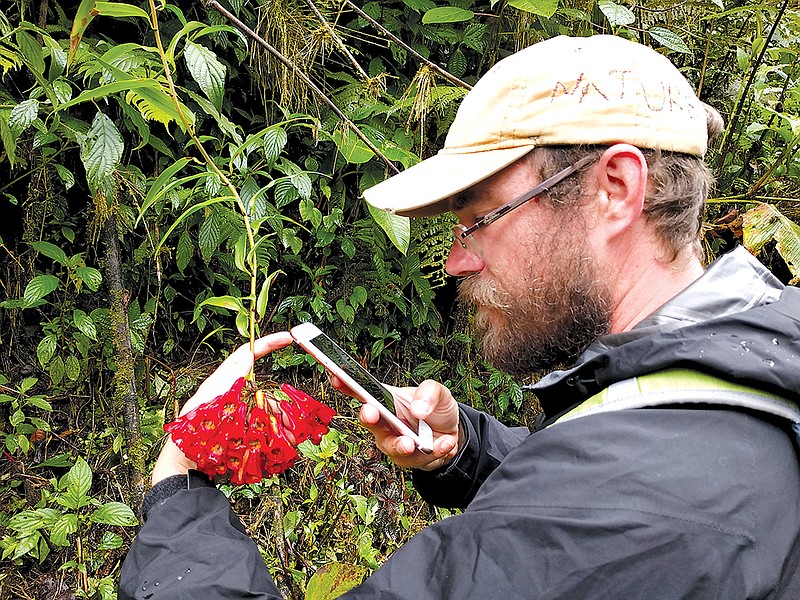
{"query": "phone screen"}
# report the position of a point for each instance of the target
(355, 370)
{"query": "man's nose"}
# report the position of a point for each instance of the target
(461, 263)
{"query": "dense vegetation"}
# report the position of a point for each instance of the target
(171, 183)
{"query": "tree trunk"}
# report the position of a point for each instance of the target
(125, 399)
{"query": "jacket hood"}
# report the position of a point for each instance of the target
(758, 347)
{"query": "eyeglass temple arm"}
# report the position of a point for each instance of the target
(538, 190)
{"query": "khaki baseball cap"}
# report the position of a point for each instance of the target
(588, 90)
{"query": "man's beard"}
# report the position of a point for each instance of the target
(550, 317)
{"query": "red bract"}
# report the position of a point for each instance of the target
(229, 434)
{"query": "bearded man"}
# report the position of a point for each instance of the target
(664, 465)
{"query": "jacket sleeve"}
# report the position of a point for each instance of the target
(191, 547)
(486, 443)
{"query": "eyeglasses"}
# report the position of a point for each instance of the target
(463, 235)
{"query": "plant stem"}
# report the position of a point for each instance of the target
(226, 182)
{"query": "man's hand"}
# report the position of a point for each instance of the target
(172, 461)
(431, 402)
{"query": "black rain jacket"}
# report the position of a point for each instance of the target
(691, 502)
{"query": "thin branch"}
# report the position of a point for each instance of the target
(443, 72)
(290, 65)
(726, 142)
(337, 39)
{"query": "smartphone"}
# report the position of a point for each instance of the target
(362, 382)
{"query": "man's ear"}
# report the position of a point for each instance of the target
(621, 186)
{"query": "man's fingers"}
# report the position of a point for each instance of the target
(271, 342)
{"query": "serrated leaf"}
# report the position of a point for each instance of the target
(39, 287)
(46, 349)
(209, 236)
(396, 227)
(616, 14)
(207, 71)
(670, 39)
(22, 115)
(50, 251)
(90, 276)
(115, 513)
(544, 8)
(101, 150)
(473, 36)
(447, 14)
(184, 251)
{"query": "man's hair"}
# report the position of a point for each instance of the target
(677, 189)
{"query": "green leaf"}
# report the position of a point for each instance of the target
(65, 175)
(115, 513)
(110, 541)
(209, 236)
(263, 295)
(60, 460)
(160, 187)
(9, 139)
(227, 302)
(353, 149)
(447, 14)
(358, 297)
(84, 323)
(118, 10)
(275, 139)
(101, 150)
(39, 287)
(309, 212)
(616, 14)
(545, 8)
(345, 311)
(46, 349)
(90, 276)
(72, 367)
(670, 39)
(22, 115)
(419, 6)
(207, 71)
(83, 16)
(50, 251)
(56, 370)
(766, 223)
(396, 227)
(334, 579)
(184, 251)
(78, 482)
(302, 183)
(61, 529)
(31, 50)
(40, 402)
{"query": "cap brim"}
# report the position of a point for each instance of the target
(426, 188)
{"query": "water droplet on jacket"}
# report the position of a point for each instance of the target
(156, 584)
(769, 363)
(775, 342)
(744, 345)
(180, 577)
(144, 589)
(188, 570)
(710, 335)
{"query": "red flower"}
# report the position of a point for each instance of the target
(229, 435)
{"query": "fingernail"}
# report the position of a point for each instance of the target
(420, 409)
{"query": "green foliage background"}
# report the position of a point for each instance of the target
(166, 184)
